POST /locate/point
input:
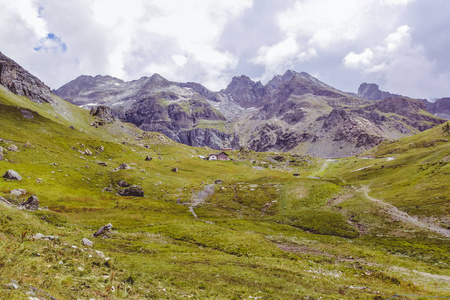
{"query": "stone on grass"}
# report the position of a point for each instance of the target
(174, 170)
(39, 180)
(88, 152)
(218, 181)
(134, 190)
(103, 229)
(87, 242)
(124, 166)
(148, 158)
(13, 148)
(40, 236)
(32, 203)
(13, 175)
(102, 163)
(1, 153)
(18, 192)
(123, 183)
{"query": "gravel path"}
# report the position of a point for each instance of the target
(404, 217)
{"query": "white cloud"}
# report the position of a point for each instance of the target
(402, 65)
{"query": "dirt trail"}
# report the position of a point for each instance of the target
(200, 197)
(404, 217)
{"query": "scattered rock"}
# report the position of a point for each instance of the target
(134, 190)
(103, 229)
(11, 286)
(71, 127)
(39, 180)
(159, 157)
(40, 236)
(124, 166)
(13, 175)
(218, 181)
(18, 192)
(101, 148)
(13, 148)
(102, 163)
(174, 170)
(1, 153)
(100, 253)
(87, 242)
(147, 146)
(123, 183)
(88, 152)
(296, 174)
(32, 203)
(148, 158)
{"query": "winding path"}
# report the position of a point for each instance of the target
(404, 217)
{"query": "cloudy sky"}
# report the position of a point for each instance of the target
(402, 45)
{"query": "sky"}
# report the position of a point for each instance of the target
(401, 45)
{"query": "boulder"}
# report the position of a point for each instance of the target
(124, 166)
(134, 190)
(218, 181)
(13, 148)
(87, 242)
(148, 158)
(174, 170)
(13, 175)
(102, 229)
(32, 203)
(123, 183)
(88, 152)
(18, 192)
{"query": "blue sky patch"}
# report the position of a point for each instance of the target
(51, 43)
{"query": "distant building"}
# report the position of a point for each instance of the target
(227, 149)
(218, 156)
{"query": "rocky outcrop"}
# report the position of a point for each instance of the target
(213, 138)
(20, 82)
(12, 175)
(134, 190)
(103, 114)
(371, 91)
(32, 203)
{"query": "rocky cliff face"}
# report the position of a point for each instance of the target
(371, 91)
(293, 112)
(439, 108)
(20, 82)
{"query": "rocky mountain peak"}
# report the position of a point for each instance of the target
(371, 91)
(245, 91)
(20, 82)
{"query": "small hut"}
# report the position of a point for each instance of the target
(218, 156)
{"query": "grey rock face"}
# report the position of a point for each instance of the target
(21, 82)
(12, 175)
(18, 192)
(371, 91)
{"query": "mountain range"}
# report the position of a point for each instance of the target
(293, 112)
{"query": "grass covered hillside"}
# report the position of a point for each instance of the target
(240, 229)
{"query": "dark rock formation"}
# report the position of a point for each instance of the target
(148, 158)
(134, 190)
(32, 203)
(245, 91)
(21, 82)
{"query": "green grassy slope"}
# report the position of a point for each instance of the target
(262, 232)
